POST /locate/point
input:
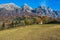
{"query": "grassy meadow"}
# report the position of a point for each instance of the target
(32, 32)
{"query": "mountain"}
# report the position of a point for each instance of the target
(11, 10)
(26, 8)
(9, 6)
(43, 11)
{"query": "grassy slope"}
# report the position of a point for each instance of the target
(32, 32)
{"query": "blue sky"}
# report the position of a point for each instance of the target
(54, 4)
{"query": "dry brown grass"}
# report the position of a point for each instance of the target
(32, 32)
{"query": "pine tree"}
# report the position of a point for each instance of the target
(12, 24)
(3, 26)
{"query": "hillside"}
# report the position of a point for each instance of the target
(32, 32)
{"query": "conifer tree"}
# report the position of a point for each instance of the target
(3, 26)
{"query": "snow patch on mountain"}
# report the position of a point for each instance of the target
(9, 6)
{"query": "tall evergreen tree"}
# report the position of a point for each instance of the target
(3, 26)
(12, 24)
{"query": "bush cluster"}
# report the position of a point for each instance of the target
(20, 21)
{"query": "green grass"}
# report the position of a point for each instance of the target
(32, 32)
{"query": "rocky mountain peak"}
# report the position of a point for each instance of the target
(9, 6)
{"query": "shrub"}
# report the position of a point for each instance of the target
(28, 21)
(12, 24)
(45, 19)
(22, 23)
(37, 20)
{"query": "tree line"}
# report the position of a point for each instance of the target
(22, 21)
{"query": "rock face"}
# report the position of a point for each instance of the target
(10, 11)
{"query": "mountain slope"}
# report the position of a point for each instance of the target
(10, 11)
